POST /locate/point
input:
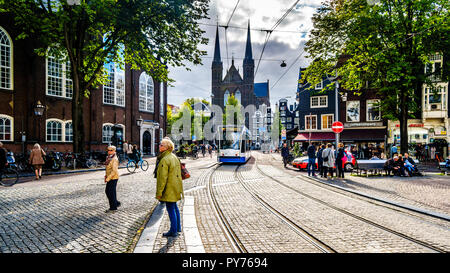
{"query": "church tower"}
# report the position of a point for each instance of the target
(217, 70)
(249, 71)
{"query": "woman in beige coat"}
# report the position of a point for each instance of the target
(111, 178)
(37, 160)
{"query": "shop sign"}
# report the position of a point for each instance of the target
(363, 124)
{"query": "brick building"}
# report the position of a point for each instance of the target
(27, 80)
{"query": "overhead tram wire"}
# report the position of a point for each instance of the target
(298, 57)
(269, 32)
(254, 29)
(226, 28)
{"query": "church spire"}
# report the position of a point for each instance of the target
(217, 58)
(248, 47)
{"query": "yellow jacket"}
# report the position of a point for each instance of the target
(112, 170)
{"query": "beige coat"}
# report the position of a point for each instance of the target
(112, 170)
(37, 157)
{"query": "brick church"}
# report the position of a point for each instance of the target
(243, 87)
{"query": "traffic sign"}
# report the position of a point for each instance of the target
(337, 127)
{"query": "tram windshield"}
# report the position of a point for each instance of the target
(230, 142)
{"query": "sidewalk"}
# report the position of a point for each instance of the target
(429, 192)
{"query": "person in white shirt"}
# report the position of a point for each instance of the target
(329, 159)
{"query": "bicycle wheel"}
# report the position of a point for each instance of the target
(9, 177)
(91, 163)
(144, 165)
(131, 166)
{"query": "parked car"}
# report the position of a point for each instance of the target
(302, 162)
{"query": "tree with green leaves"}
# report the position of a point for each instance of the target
(146, 34)
(233, 107)
(383, 45)
(197, 120)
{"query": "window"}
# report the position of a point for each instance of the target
(6, 58)
(225, 97)
(289, 119)
(311, 122)
(161, 99)
(114, 89)
(238, 96)
(107, 133)
(6, 128)
(59, 82)
(54, 131)
(68, 131)
(146, 93)
(319, 86)
(161, 134)
(288, 126)
(319, 101)
(327, 121)
(373, 110)
(353, 111)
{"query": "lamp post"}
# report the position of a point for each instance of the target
(38, 112)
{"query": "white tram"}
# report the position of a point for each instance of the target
(234, 144)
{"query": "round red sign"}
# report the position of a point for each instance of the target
(337, 127)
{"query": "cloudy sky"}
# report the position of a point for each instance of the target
(286, 43)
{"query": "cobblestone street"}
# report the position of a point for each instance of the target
(258, 207)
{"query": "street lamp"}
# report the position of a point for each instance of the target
(38, 112)
(139, 121)
(39, 109)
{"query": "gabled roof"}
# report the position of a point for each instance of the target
(232, 74)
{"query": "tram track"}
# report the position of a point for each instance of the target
(362, 219)
(321, 246)
(231, 235)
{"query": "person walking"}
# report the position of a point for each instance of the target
(311, 159)
(169, 187)
(37, 160)
(111, 178)
(328, 160)
(210, 150)
(285, 154)
(339, 161)
(203, 150)
(320, 160)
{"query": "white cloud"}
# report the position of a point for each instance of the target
(263, 14)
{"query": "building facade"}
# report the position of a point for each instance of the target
(430, 129)
(242, 87)
(28, 80)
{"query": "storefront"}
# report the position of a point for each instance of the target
(315, 138)
(429, 140)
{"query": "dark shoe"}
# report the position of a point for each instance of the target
(40, 177)
(119, 204)
(111, 210)
(170, 234)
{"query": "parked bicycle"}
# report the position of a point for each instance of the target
(9, 176)
(132, 165)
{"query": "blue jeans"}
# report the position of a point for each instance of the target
(311, 162)
(174, 216)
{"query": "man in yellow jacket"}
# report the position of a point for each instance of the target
(169, 187)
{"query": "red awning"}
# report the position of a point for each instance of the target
(315, 137)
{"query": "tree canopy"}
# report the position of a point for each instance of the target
(145, 34)
(383, 45)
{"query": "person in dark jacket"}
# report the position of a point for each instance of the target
(320, 159)
(389, 166)
(399, 166)
(339, 160)
(285, 154)
(311, 159)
